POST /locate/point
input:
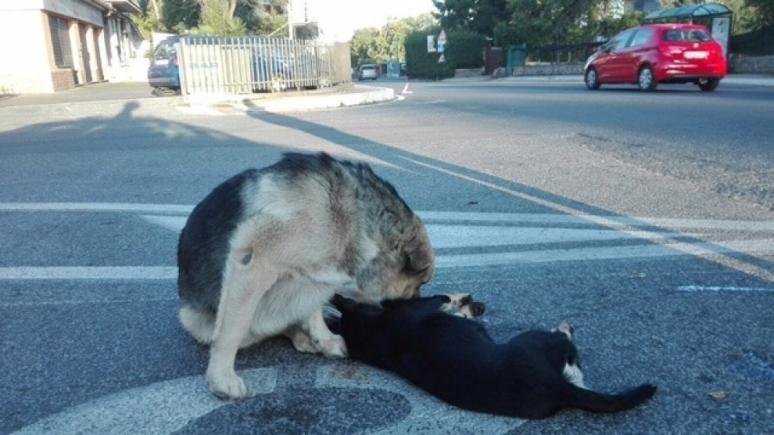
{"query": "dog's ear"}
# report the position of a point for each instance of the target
(343, 304)
(418, 255)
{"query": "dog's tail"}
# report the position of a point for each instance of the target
(593, 401)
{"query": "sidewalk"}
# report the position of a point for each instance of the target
(93, 97)
(96, 92)
(345, 95)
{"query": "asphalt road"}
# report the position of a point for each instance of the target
(646, 220)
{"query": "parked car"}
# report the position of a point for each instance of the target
(273, 74)
(658, 53)
(367, 71)
(163, 71)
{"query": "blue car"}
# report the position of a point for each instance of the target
(163, 71)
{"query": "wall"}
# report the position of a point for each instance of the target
(752, 64)
(25, 66)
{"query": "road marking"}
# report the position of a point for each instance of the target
(580, 218)
(163, 407)
(688, 248)
(112, 207)
(458, 230)
(445, 261)
(459, 236)
(701, 288)
(542, 218)
(89, 273)
(168, 406)
(601, 253)
(428, 414)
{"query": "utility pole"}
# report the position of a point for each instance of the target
(290, 19)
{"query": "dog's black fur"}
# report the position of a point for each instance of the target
(454, 359)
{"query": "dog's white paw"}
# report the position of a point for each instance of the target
(334, 347)
(457, 301)
(226, 384)
(463, 305)
(302, 342)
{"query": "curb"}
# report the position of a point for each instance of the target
(362, 95)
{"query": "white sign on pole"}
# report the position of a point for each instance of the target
(441, 42)
(720, 27)
(430, 43)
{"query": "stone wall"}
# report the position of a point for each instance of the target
(548, 69)
(63, 79)
(741, 64)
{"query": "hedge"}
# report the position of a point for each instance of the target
(463, 50)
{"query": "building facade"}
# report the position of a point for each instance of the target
(52, 45)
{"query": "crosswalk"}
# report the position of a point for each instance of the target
(469, 239)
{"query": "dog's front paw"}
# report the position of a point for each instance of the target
(226, 384)
(333, 347)
(463, 305)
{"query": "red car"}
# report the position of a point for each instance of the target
(658, 53)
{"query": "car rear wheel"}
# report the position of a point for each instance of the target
(592, 79)
(708, 85)
(645, 79)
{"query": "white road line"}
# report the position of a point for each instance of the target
(445, 235)
(89, 273)
(581, 218)
(603, 253)
(765, 246)
(163, 407)
(688, 248)
(700, 288)
(96, 207)
(542, 218)
(459, 236)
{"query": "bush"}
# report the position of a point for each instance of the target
(463, 50)
(756, 43)
(420, 63)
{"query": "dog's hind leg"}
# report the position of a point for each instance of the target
(200, 324)
(245, 280)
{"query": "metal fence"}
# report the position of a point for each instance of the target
(567, 53)
(250, 64)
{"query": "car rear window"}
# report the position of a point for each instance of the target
(363, 68)
(686, 35)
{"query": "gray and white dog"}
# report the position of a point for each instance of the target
(266, 249)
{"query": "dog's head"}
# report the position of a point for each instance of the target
(401, 269)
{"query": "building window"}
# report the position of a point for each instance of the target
(60, 41)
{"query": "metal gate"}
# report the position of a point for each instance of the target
(243, 65)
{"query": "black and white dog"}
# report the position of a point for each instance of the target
(533, 375)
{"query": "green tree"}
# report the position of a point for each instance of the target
(217, 19)
(455, 14)
(379, 45)
(180, 15)
(477, 15)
